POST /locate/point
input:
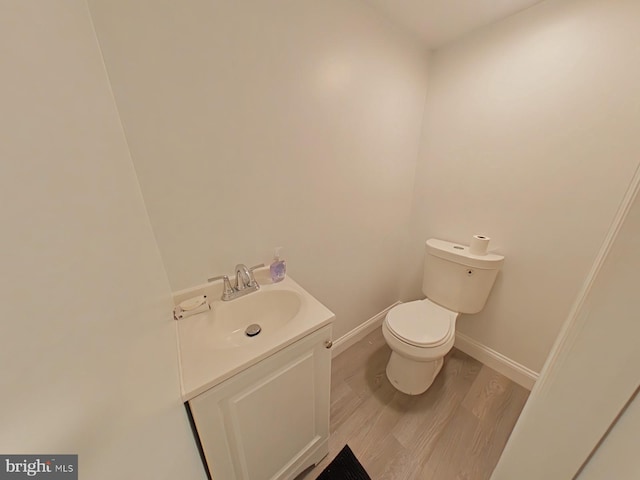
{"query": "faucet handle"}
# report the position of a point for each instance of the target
(216, 278)
(227, 290)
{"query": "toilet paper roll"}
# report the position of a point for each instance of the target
(479, 245)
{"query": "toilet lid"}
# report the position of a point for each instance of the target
(421, 323)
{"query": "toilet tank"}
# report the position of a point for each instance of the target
(456, 279)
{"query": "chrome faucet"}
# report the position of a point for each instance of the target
(244, 278)
(245, 282)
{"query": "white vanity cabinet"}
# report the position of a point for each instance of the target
(270, 421)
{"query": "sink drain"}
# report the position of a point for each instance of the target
(253, 330)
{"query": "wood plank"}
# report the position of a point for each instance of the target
(456, 430)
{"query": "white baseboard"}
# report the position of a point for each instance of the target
(489, 357)
(492, 359)
(361, 331)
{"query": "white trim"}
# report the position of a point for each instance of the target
(361, 331)
(572, 326)
(504, 365)
(539, 431)
(492, 359)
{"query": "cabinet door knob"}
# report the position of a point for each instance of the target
(328, 344)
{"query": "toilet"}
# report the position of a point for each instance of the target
(421, 333)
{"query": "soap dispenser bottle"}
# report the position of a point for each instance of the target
(278, 267)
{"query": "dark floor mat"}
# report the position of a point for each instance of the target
(344, 467)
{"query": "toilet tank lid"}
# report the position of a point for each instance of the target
(455, 252)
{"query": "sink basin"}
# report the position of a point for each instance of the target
(213, 345)
(270, 309)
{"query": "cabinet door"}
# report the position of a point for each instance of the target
(272, 420)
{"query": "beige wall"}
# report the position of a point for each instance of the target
(88, 349)
(617, 456)
(593, 369)
(530, 137)
(297, 124)
(257, 124)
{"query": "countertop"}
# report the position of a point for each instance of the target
(203, 364)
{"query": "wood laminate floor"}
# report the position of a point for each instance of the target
(456, 430)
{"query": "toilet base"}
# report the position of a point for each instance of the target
(410, 376)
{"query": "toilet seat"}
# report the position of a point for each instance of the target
(421, 323)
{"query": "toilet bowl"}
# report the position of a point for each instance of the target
(420, 334)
